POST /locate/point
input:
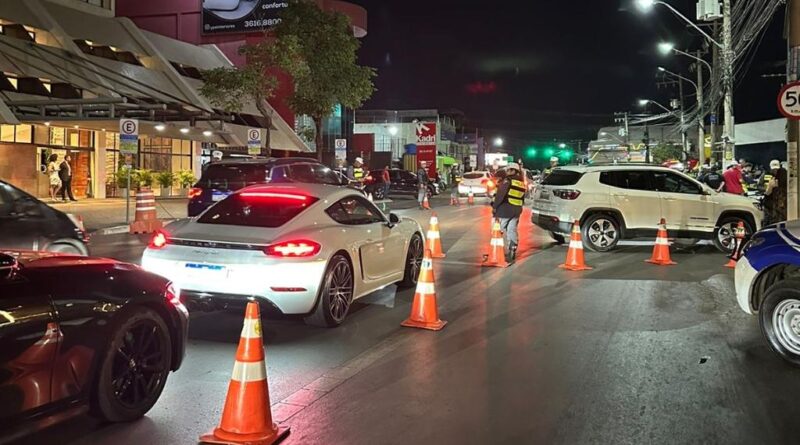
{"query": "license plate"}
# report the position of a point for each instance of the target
(196, 270)
(219, 196)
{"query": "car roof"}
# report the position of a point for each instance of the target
(257, 161)
(321, 191)
(613, 167)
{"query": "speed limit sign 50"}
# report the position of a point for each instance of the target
(789, 101)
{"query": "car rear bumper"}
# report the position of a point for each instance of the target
(551, 223)
(291, 287)
(744, 278)
(476, 190)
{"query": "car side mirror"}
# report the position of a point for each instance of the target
(8, 267)
(393, 220)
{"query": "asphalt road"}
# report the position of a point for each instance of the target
(627, 353)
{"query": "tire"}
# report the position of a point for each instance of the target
(724, 238)
(601, 232)
(335, 295)
(65, 248)
(779, 318)
(416, 250)
(125, 388)
(559, 239)
(379, 193)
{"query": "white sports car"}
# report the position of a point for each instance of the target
(300, 249)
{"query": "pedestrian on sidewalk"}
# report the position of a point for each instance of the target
(65, 174)
(387, 182)
(422, 183)
(52, 173)
(507, 207)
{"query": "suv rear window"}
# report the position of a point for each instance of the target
(234, 176)
(473, 175)
(562, 177)
(256, 211)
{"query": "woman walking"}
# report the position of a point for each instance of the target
(52, 172)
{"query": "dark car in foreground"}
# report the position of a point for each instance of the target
(402, 183)
(222, 178)
(27, 223)
(80, 334)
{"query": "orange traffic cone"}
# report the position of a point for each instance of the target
(661, 256)
(424, 311)
(433, 240)
(497, 254)
(575, 259)
(740, 233)
(470, 197)
(425, 204)
(246, 417)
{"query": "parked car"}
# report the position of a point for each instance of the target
(222, 178)
(304, 249)
(79, 332)
(28, 223)
(768, 284)
(403, 183)
(618, 202)
(479, 182)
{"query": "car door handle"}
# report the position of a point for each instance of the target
(671, 199)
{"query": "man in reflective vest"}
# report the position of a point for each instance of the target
(507, 207)
(357, 171)
(553, 166)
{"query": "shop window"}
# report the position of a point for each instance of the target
(69, 137)
(7, 133)
(16, 133)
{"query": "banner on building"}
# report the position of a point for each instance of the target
(426, 142)
(222, 16)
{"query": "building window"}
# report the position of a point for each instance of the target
(22, 134)
(69, 137)
(165, 154)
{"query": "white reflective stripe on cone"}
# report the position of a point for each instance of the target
(662, 242)
(144, 209)
(249, 371)
(576, 245)
(427, 264)
(497, 242)
(251, 328)
(426, 288)
(433, 235)
(434, 220)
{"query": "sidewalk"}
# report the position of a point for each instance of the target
(100, 214)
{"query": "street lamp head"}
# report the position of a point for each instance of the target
(645, 5)
(498, 142)
(393, 130)
(666, 48)
(643, 102)
(603, 133)
(662, 69)
(562, 145)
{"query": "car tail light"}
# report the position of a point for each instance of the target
(569, 195)
(273, 195)
(293, 249)
(159, 240)
(173, 295)
(195, 192)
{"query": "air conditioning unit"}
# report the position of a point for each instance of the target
(708, 10)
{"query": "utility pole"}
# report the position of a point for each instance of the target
(701, 131)
(714, 112)
(793, 126)
(684, 141)
(728, 59)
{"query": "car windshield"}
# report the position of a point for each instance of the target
(562, 177)
(474, 175)
(257, 209)
(234, 176)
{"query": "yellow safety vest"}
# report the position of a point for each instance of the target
(358, 173)
(516, 194)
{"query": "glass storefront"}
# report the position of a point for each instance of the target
(155, 153)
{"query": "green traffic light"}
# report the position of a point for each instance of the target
(532, 152)
(549, 152)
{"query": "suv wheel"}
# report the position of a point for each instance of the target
(601, 232)
(779, 317)
(725, 235)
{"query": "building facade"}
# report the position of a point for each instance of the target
(70, 71)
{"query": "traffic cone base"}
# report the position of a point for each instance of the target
(661, 255)
(740, 234)
(224, 438)
(575, 259)
(424, 310)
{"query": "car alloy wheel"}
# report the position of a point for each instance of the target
(139, 365)
(339, 290)
(379, 193)
(786, 325)
(602, 233)
(726, 235)
(416, 251)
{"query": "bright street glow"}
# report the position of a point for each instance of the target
(184, 130)
(662, 69)
(666, 48)
(645, 5)
(208, 133)
(562, 145)
(603, 133)
(160, 127)
(393, 130)
(643, 102)
(498, 142)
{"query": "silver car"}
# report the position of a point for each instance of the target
(298, 248)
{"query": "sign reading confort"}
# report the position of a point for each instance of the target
(222, 16)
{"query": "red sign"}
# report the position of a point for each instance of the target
(426, 142)
(789, 101)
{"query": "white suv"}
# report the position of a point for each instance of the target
(623, 202)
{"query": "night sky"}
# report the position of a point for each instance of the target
(540, 70)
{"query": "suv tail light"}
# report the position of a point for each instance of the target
(293, 249)
(194, 192)
(159, 240)
(569, 195)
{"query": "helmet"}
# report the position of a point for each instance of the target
(775, 164)
(513, 166)
(554, 159)
(360, 160)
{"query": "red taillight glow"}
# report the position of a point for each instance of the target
(301, 198)
(194, 192)
(173, 295)
(159, 240)
(293, 249)
(569, 195)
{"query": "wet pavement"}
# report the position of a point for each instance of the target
(625, 353)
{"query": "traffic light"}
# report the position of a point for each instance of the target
(566, 155)
(549, 152)
(531, 152)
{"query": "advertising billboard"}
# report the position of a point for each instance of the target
(426, 142)
(224, 16)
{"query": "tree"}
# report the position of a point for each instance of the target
(231, 88)
(664, 152)
(318, 49)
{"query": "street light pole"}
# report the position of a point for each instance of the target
(701, 121)
(729, 131)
